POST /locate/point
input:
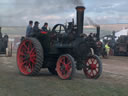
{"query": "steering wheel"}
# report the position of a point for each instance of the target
(59, 29)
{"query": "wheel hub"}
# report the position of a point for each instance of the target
(93, 66)
(27, 57)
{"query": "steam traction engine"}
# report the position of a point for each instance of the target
(4, 46)
(61, 50)
(121, 46)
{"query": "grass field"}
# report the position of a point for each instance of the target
(109, 84)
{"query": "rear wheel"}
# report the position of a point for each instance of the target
(92, 67)
(30, 56)
(65, 66)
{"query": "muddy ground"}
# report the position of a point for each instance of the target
(113, 82)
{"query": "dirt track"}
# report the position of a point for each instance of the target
(113, 82)
(116, 69)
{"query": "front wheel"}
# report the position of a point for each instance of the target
(92, 67)
(65, 66)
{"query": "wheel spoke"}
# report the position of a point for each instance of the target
(24, 44)
(33, 62)
(69, 62)
(92, 72)
(92, 60)
(21, 59)
(96, 62)
(88, 63)
(22, 54)
(31, 67)
(63, 61)
(96, 70)
(24, 50)
(68, 66)
(88, 73)
(23, 63)
(63, 72)
(27, 68)
(30, 46)
(34, 55)
(32, 51)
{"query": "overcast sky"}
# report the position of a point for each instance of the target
(19, 12)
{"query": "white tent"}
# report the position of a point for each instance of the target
(122, 32)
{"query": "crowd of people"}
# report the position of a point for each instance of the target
(35, 29)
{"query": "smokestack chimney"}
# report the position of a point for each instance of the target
(98, 32)
(0, 29)
(80, 19)
(0, 33)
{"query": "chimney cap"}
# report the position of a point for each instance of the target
(80, 7)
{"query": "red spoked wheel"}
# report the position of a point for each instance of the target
(92, 67)
(65, 66)
(29, 56)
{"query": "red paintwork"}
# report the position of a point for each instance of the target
(26, 66)
(64, 67)
(92, 68)
(43, 32)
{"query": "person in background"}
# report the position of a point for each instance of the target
(99, 47)
(44, 28)
(107, 48)
(29, 28)
(36, 29)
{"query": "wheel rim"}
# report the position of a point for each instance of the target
(26, 57)
(91, 68)
(64, 67)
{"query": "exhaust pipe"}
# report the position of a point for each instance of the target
(80, 19)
